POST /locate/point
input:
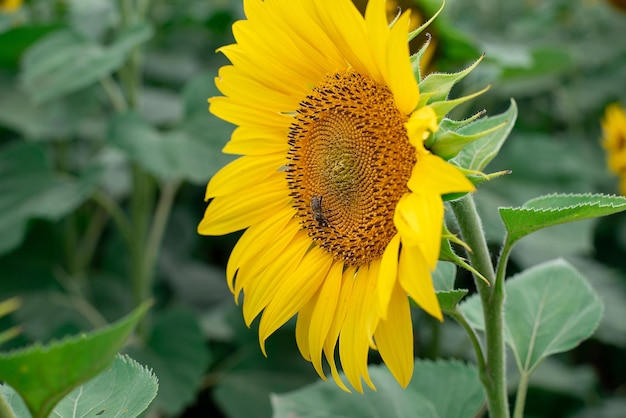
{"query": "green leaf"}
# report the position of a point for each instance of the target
(177, 154)
(255, 377)
(65, 364)
(197, 91)
(547, 60)
(555, 376)
(92, 18)
(177, 353)
(125, 388)
(610, 285)
(13, 402)
(30, 188)
(448, 300)
(555, 209)
(443, 280)
(549, 309)
(452, 386)
(66, 61)
(438, 390)
(326, 399)
(479, 153)
(443, 276)
(15, 41)
(60, 120)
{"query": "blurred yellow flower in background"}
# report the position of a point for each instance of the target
(614, 141)
(8, 6)
(340, 199)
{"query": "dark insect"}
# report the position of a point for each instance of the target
(318, 213)
(101, 412)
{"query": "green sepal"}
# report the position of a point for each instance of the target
(452, 125)
(436, 86)
(442, 108)
(413, 34)
(449, 300)
(477, 178)
(416, 59)
(478, 154)
(447, 143)
(446, 253)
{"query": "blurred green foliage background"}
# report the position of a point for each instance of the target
(81, 249)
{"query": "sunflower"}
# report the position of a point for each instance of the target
(8, 6)
(614, 142)
(340, 200)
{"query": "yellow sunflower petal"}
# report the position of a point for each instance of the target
(345, 295)
(267, 76)
(415, 279)
(323, 313)
(290, 295)
(378, 31)
(420, 124)
(350, 36)
(388, 274)
(356, 331)
(432, 174)
(244, 114)
(259, 288)
(242, 173)
(372, 314)
(303, 325)
(319, 49)
(233, 212)
(232, 82)
(400, 78)
(247, 141)
(259, 40)
(419, 220)
(394, 337)
(253, 239)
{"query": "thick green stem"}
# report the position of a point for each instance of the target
(130, 74)
(478, 349)
(493, 375)
(142, 204)
(142, 199)
(70, 236)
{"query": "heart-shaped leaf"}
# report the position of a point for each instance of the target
(549, 309)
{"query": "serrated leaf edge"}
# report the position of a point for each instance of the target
(70, 339)
(565, 195)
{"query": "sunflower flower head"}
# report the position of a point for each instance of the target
(339, 196)
(614, 142)
(9, 6)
